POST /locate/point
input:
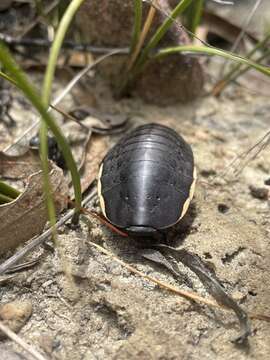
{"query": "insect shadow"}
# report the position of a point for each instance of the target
(165, 253)
(173, 237)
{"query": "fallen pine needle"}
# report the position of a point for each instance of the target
(187, 294)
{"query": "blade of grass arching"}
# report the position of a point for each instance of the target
(46, 95)
(238, 70)
(6, 77)
(137, 24)
(56, 46)
(244, 27)
(8, 190)
(5, 199)
(259, 60)
(194, 15)
(33, 96)
(211, 51)
(164, 27)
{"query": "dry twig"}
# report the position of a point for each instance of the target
(9, 333)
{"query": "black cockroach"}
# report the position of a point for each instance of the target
(145, 185)
(146, 182)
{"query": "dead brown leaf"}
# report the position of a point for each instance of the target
(19, 166)
(95, 150)
(26, 216)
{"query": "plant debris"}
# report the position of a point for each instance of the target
(26, 216)
(15, 314)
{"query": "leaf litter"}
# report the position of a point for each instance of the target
(26, 216)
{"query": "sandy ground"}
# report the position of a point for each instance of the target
(112, 314)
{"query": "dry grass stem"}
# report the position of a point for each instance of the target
(145, 30)
(9, 333)
(186, 294)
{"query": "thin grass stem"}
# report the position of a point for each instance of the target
(46, 95)
(56, 47)
(5, 199)
(195, 15)
(238, 70)
(244, 28)
(211, 51)
(145, 30)
(6, 77)
(161, 31)
(137, 24)
(21, 81)
(8, 190)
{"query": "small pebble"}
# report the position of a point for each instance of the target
(48, 343)
(259, 192)
(15, 315)
(237, 295)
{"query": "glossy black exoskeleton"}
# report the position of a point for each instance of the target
(147, 180)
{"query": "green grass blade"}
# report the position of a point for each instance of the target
(34, 97)
(211, 51)
(43, 151)
(8, 190)
(164, 27)
(137, 24)
(195, 15)
(5, 199)
(56, 46)
(8, 78)
(46, 95)
(239, 69)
